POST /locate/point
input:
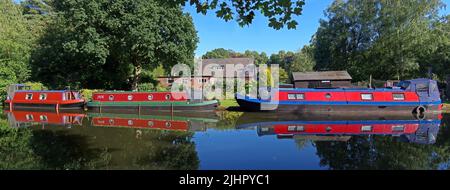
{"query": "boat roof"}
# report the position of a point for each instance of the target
(44, 91)
(342, 89)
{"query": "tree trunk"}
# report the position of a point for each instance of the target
(136, 77)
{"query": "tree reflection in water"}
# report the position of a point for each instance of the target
(95, 148)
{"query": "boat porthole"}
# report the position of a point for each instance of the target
(130, 122)
(168, 124)
(150, 97)
(328, 96)
(167, 96)
(130, 97)
(111, 97)
(111, 121)
(150, 123)
(328, 129)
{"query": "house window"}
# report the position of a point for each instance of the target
(42, 96)
(29, 96)
(398, 96)
(366, 96)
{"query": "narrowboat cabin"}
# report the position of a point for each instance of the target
(21, 96)
(153, 101)
(411, 96)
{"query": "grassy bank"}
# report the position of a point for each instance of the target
(224, 104)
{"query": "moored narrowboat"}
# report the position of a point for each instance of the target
(21, 96)
(154, 101)
(416, 96)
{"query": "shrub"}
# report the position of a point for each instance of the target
(87, 93)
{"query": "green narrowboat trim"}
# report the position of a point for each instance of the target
(147, 103)
(158, 117)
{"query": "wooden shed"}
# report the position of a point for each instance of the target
(322, 79)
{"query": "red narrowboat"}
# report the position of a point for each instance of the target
(20, 96)
(155, 101)
(27, 118)
(418, 96)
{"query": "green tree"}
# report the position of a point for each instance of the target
(107, 44)
(303, 60)
(15, 45)
(383, 38)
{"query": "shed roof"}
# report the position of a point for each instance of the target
(321, 75)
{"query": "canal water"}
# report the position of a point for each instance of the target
(32, 139)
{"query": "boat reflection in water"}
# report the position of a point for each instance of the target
(26, 118)
(319, 128)
(161, 122)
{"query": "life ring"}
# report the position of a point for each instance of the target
(420, 110)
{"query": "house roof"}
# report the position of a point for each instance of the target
(322, 75)
(229, 61)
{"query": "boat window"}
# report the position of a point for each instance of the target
(168, 124)
(292, 96)
(404, 84)
(29, 117)
(150, 97)
(111, 97)
(43, 118)
(366, 96)
(300, 96)
(366, 128)
(296, 128)
(398, 96)
(422, 87)
(130, 97)
(150, 123)
(130, 122)
(42, 96)
(29, 96)
(398, 128)
(167, 96)
(328, 96)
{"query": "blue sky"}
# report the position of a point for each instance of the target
(216, 33)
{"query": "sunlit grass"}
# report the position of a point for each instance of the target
(228, 103)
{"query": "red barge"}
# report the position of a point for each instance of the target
(155, 101)
(417, 96)
(20, 96)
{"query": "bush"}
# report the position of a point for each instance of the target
(87, 93)
(36, 86)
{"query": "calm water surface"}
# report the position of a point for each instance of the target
(223, 140)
